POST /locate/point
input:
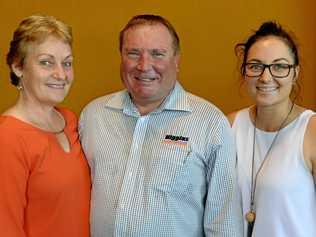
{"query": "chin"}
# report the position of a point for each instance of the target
(54, 101)
(266, 103)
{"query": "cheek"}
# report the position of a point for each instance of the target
(30, 72)
(165, 68)
(288, 87)
(127, 70)
(126, 73)
(70, 74)
(250, 84)
(127, 65)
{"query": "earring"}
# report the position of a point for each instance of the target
(19, 87)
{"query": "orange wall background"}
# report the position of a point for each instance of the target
(208, 32)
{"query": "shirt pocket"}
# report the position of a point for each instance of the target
(169, 166)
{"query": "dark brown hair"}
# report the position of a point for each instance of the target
(267, 29)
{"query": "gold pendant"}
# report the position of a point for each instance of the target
(250, 216)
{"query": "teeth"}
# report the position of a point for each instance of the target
(56, 86)
(266, 89)
(146, 79)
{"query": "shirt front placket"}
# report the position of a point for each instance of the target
(123, 216)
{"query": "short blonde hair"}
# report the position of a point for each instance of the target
(34, 29)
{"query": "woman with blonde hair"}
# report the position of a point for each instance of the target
(45, 184)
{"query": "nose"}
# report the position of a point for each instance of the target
(266, 75)
(59, 72)
(144, 63)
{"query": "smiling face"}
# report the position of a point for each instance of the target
(47, 73)
(149, 64)
(267, 90)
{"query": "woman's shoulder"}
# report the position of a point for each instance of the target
(69, 115)
(67, 112)
(71, 120)
(232, 116)
(10, 125)
(16, 137)
(311, 126)
(310, 141)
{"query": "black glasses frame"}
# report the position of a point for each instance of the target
(269, 67)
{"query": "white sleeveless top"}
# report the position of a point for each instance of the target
(285, 199)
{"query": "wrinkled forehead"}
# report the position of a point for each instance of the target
(153, 34)
(49, 44)
(32, 42)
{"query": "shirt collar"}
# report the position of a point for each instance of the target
(177, 100)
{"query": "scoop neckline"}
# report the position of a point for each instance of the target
(33, 126)
(282, 129)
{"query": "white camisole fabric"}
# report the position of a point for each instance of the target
(285, 198)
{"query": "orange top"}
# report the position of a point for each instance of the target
(44, 191)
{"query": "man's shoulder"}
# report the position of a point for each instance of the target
(208, 120)
(102, 101)
(203, 106)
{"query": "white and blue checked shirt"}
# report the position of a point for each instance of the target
(168, 173)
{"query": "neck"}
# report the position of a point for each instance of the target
(34, 109)
(270, 118)
(146, 105)
(39, 115)
(146, 108)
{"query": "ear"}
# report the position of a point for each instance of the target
(296, 72)
(17, 69)
(177, 61)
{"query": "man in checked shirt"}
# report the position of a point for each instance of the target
(162, 160)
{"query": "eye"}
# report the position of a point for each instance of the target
(157, 54)
(133, 54)
(67, 64)
(46, 62)
(254, 66)
(280, 66)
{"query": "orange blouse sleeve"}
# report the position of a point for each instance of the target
(14, 173)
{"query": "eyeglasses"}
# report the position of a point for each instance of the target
(277, 70)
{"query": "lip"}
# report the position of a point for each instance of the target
(266, 89)
(56, 85)
(146, 78)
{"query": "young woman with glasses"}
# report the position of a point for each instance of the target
(275, 138)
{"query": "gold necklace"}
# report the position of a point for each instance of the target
(46, 129)
(251, 214)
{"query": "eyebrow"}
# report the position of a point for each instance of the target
(142, 49)
(158, 50)
(69, 56)
(131, 49)
(280, 59)
(254, 60)
(52, 56)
